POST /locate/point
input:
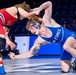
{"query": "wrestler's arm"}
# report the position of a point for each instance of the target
(47, 6)
(34, 49)
(8, 41)
(43, 6)
(23, 13)
(47, 14)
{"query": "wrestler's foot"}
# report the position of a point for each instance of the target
(74, 65)
(2, 70)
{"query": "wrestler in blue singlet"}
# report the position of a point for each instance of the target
(60, 34)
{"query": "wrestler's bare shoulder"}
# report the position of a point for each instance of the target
(12, 11)
(54, 23)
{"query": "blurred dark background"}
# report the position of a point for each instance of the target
(64, 12)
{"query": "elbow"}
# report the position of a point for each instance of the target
(49, 2)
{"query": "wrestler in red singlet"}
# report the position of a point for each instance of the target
(6, 20)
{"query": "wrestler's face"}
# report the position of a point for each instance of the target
(33, 30)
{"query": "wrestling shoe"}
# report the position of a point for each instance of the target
(74, 65)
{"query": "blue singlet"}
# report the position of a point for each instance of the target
(59, 35)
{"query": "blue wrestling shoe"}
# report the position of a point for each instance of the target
(74, 65)
(2, 70)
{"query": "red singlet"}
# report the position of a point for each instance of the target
(6, 20)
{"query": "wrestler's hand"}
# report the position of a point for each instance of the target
(35, 11)
(12, 45)
(29, 15)
(12, 55)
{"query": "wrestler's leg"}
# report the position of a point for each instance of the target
(65, 65)
(65, 60)
(69, 46)
(2, 46)
(74, 62)
(74, 45)
(0, 57)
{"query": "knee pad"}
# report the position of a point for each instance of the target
(2, 43)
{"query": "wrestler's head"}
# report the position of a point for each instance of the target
(24, 6)
(33, 26)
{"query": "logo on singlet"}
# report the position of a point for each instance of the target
(8, 22)
(56, 36)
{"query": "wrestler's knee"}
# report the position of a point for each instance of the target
(66, 70)
(65, 66)
(66, 47)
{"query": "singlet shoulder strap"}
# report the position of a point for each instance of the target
(18, 14)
